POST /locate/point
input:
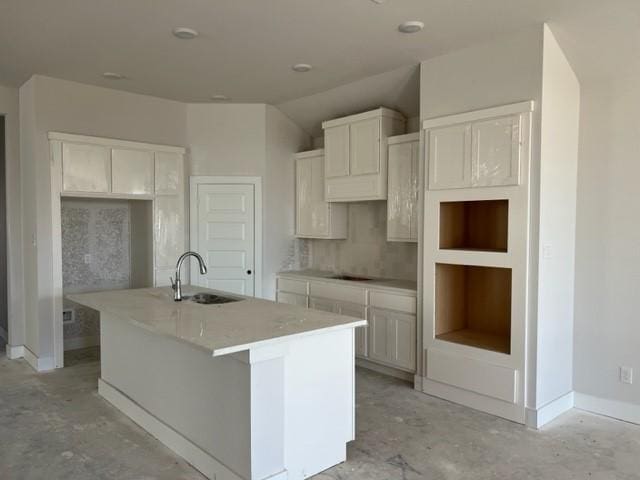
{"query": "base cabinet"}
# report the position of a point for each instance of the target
(390, 337)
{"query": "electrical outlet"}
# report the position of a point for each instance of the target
(87, 258)
(626, 375)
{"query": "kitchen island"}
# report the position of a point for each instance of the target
(250, 389)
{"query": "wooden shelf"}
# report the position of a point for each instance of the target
(473, 306)
(478, 339)
(478, 225)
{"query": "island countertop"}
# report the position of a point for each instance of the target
(221, 329)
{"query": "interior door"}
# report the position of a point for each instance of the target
(226, 237)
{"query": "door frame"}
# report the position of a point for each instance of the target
(256, 182)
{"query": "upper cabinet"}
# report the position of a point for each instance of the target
(316, 218)
(477, 149)
(402, 202)
(168, 173)
(132, 171)
(356, 155)
(86, 168)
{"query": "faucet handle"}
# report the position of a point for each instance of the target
(173, 284)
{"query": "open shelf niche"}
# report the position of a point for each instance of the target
(473, 306)
(474, 225)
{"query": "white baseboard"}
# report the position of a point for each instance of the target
(537, 418)
(81, 342)
(383, 369)
(193, 454)
(4, 334)
(628, 412)
(39, 364)
(15, 352)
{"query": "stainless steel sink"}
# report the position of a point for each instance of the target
(210, 299)
(351, 278)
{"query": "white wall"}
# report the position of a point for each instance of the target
(48, 104)
(607, 299)
(558, 177)
(398, 89)
(9, 107)
(283, 139)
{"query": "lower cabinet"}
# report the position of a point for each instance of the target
(392, 338)
(292, 299)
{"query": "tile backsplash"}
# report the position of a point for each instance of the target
(366, 251)
(95, 255)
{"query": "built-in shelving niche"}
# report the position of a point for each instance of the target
(474, 225)
(473, 306)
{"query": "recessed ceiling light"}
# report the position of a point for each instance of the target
(219, 98)
(411, 26)
(301, 67)
(379, 2)
(113, 76)
(184, 33)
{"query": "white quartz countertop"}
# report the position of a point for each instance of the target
(406, 286)
(221, 329)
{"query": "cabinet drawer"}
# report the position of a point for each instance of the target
(391, 301)
(292, 299)
(338, 292)
(292, 286)
(474, 375)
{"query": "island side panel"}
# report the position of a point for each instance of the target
(319, 402)
(205, 399)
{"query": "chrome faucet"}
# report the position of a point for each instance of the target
(177, 284)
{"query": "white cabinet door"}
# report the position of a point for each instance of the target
(393, 338)
(356, 311)
(415, 190)
(402, 204)
(496, 152)
(132, 171)
(364, 147)
(323, 304)
(86, 168)
(168, 230)
(312, 212)
(168, 173)
(336, 147)
(292, 299)
(450, 157)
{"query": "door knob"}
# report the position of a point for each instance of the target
(248, 272)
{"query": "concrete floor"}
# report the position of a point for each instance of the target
(55, 426)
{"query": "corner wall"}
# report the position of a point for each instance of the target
(607, 303)
(9, 108)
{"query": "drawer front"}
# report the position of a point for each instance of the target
(391, 301)
(323, 305)
(292, 286)
(292, 299)
(474, 375)
(341, 293)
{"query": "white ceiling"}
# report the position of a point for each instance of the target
(246, 47)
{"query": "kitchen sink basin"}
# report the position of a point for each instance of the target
(210, 299)
(351, 278)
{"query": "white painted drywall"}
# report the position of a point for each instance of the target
(48, 104)
(226, 139)
(607, 296)
(283, 139)
(560, 110)
(398, 89)
(9, 108)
